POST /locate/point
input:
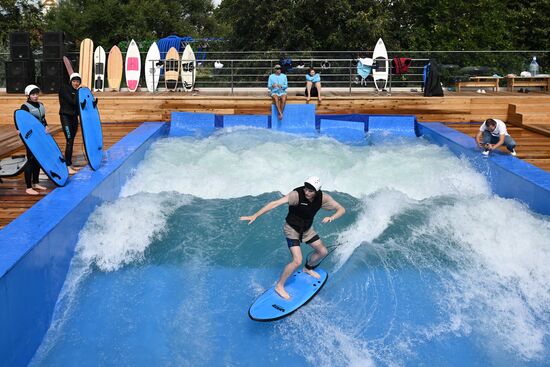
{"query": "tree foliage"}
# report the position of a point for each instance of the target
(20, 16)
(109, 22)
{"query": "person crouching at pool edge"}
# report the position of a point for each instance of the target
(303, 204)
(277, 85)
(37, 109)
(492, 134)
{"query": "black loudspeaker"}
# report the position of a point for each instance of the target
(53, 46)
(19, 74)
(52, 76)
(20, 46)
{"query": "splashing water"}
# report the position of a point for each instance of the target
(430, 265)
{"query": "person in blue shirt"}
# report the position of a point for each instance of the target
(277, 85)
(312, 78)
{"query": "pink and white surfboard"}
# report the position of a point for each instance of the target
(132, 66)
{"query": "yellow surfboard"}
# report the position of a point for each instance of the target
(114, 68)
(86, 62)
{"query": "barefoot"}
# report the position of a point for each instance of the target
(313, 273)
(31, 191)
(307, 99)
(39, 187)
(281, 292)
(72, 171)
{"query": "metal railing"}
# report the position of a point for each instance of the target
(251, 69)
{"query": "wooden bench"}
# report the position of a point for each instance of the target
(479, 82)
(530, 81)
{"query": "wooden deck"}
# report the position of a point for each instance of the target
(531, 146)
(13, 199)
(526, 115)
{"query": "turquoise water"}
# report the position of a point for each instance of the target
(431, 269)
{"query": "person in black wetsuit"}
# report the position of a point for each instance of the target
(68, 114)
(36, 108)
(303, 204)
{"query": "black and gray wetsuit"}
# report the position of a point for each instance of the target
(32, 170)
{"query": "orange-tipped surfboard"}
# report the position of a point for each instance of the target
(86, 64)
(114, 68)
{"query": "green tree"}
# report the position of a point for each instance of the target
(303, 24)
(20, 15)
(108, 22)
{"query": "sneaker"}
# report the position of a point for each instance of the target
(478, 91)
(483, 91)
(485, 153)
(513, 153)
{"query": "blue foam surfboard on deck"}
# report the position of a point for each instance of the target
(43, 147)
(92, 133)
(301, 287)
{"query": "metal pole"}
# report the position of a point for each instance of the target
(231, 77)
(350, 76)
(389, 63)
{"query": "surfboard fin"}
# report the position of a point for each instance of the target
(54, 175)
(62, 159)
(94, 103)
(83, 104)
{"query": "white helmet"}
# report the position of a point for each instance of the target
(75, 75)
(30, 88)
(313, 181)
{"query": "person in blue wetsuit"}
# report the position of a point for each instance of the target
(37, 109)
(303, 204)
(68, 114)
(277, 85)
(313, 79)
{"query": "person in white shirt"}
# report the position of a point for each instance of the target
(492, 134)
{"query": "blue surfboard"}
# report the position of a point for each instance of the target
(302, 288)
(91, 127)
(43, 147)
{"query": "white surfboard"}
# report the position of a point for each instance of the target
(132, 66)
(188, 69)
(152, 70)
(99, 69)
(380, 75)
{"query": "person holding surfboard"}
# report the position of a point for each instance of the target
(312, 78)
(68, 114)
(277, 85)
(303, 204)
(37, 109)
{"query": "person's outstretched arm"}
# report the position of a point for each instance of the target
(265, 209)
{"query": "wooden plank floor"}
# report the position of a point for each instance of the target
(531, 146)
(13, 199)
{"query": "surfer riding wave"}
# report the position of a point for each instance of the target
(303, 204)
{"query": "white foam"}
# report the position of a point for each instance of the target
(375, 217)
(502, 282)
(252, 162)
(118, 233)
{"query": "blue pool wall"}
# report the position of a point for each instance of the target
(34, 264)
(37, 247)
(508, 176)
